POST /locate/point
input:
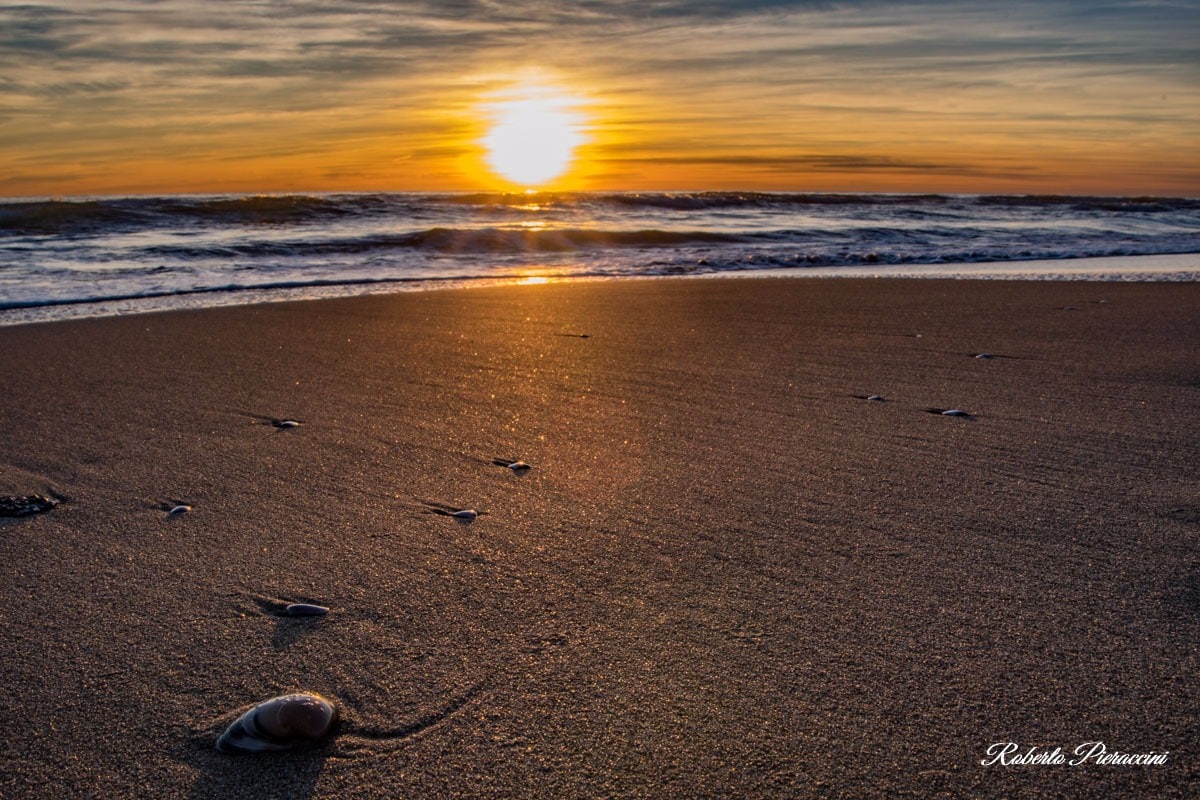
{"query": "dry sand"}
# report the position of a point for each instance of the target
(726, 575)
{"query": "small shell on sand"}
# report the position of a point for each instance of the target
(467, 514)
(305, 610)
(519, 466)
(874, 398)
(24, 505)
(951, 412)
(278, 724)
(285, 423)
(984, 356)
(179, 509)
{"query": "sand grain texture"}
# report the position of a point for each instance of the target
(726, 574)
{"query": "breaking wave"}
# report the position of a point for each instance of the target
(62, 251)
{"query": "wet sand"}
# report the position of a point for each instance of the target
(727, 574)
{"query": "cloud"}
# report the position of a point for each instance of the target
(828, 162)
(825, 161)
(694, 80)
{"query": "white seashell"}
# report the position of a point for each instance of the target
(281, 723)
(285, 423)
(305, 610)
(467, 514)
(955, 412)
(519, 466)
(875, 397)
(984, 355)
(180, 509)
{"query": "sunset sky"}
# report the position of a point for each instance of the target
(165, 96)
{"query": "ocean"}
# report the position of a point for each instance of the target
(85, 257)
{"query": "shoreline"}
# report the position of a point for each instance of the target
(728, 573)
(1172, 268)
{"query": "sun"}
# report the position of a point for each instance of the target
(533, 134)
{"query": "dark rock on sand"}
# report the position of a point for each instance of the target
(24, 505)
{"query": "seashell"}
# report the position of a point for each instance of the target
(180, 509)
(24, 505)
(984, 355)
(305, 610)
(955, 412)
(519, 466)
(285, 423)
(874, 397)
(278, 724)
(467, 514)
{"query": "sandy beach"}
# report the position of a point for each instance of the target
(727, 574)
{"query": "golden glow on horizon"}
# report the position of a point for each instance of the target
(792, 97)
(534, 133)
